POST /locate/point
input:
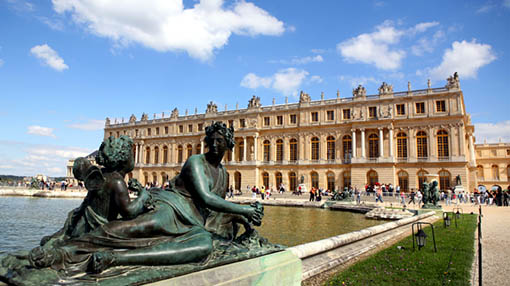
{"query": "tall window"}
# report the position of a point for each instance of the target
(401, 109)
(279, 120)
(347, 146)
(346, 114)
(315, 179)
(292, 181)
(331, 147)
(420, 107)
(293, 149)
(440, 106)
(189, 150)
(495, 172)
(165, 154)
(331, 181)
(508, 173)
(241, 151)
(265, 179)
(479, 172)
(279, 150)
(147, 155)
(315, 116)
(267, 121)
(442, 144)
(422, 177)
(315, 148)
(372, 112)
(373, 146)
(242, 123)
(237, 180)
(267, 149)
(156, 155)
(402, 145)
(154, 178)
(330, 115)
(346, 179)
(198, 149)
(444, 180)
(421, 144)
(179, 154)
(293, 119)
(403, 181)
(157, 130)
(372, 177)
(278, 179)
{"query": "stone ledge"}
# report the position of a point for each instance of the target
(281, 268)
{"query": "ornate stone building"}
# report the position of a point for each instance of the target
(390, 137)
(493, 164)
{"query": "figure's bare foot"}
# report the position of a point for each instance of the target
(41, 258)
(100, 261)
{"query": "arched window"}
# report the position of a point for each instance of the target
(278, 179)
(279, 151)
(265, 179)
(179, 154)
(189, 148)
(293, 149)
(508, 173)
(401, 146)
(331, 181)
(198, 149)
(147, 155)
(267, 150)
(422, 177)
(421, 144)
(373, 146)
(403, 181)
(164, 178)
(145, 178)
(165, 154)
(444, 180)
(330, 143)
(241, 151)
(495, 172)
(156, 155)
(154, 178)
(372, 177)
(292, 182)
(315, 148)
(347, 147)
(315, 179)
(237, 181)
(442, 145)
(346, 179)
(479, 172)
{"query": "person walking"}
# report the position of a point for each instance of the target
(312, 195)
(357, 193)
(402, 196)
(411, 197)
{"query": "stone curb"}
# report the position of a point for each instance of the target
(323, 245)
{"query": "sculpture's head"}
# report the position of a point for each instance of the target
(116, 154)
(221, 129)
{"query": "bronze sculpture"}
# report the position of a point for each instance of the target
(430, 195)
(188, 224)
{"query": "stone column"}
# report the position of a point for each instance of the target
(255, 144)
(244, 149)
(202, 147)
(273, 151)
(136, 153)
(362, 142)
(462, 138)
(353, 143)
(472, 150)
(391, 142)
(381, 143)
(453, 147)
(432, 143)
(411, 143)
(234, 151)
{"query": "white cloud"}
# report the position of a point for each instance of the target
(286, 81)
(355, 81)
(487, 7)
(374, 48)
(49, 56)
(90, 125)
(422, 27)
(301, 61)
(318, 51)
(427, 45)
(44, 153)
(465, 58)
(316, 79)
(41, 131)
(54, 24)
(492, 132)
(167, 26)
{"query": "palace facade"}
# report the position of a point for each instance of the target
(391, 137)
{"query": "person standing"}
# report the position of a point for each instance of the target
(357, 193)
(378, 196)
(262, 191)
(402, 196)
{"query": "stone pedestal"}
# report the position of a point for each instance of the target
(281, 268)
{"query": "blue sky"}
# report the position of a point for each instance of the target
(66, 65)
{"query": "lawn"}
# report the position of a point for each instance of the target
(400, 265)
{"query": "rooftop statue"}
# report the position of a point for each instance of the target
(132, 118)
(186, 227)
(211, 108)
(385, 89)
(304, 97)
(453, 81)
(359, 91)
(254, 102)
(145, 117)
(175, 113)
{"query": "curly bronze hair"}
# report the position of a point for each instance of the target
(115, 152)
(223, 130)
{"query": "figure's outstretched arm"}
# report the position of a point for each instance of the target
(193, 173)
(128, 208)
